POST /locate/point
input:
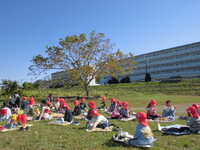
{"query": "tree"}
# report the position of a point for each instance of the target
(9, 87)
(125, 80)
(147, 77)
(85, 57)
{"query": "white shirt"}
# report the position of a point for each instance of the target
(99, 119)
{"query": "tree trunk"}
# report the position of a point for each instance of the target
(87, 90)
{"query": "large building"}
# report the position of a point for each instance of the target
(172, 63)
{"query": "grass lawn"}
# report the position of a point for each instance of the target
(50, 137)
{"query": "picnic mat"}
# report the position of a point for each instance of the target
(107, 129)
(163, 119)
(124, 137)
(175, 129)
(129, 118)
(2, 129)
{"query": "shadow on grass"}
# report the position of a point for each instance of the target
(111, 143)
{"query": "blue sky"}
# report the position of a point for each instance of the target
(137, 26)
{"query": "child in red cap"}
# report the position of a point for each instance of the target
(103, 103)
(83, 104)
(29, 108)
(77, 108)
(24, 103)
(124, 113)
(5, 112)
(194, 119)
(112, 105)
(151, 110)
(92, 106)
(45, 111)
(197, 107)
(98, 120)
(143, 135)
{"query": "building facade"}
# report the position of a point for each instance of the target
(177, 62)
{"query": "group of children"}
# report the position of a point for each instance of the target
(94, 119)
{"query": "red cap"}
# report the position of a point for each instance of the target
(125, 104)
(103, 98)
(195, 106)
(91, 104)
(31, 101)
(4, 112)
(193, 111)
(83, 100)
(62, 100)
(142, 118)
(57, 99)
(31, 97)
(119, 103)
(22, 119)
(76, 102)
(112, 100)
(95, 112)
(153, 102)
(24, 98)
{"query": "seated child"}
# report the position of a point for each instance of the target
(16, 120)
(143, 134)
(24, 103)
(77, 108)
(83, 104)
(45, 111)
(91, 106)
(103, 103)
(197, 107)
(68, 117)
(168, 110)
(5, 112)
(151, 110)
(194, 119)
(97, 121)
(123, 112)
(119, 105)
(112, 105)
(29, 108)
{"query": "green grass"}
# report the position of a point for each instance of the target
(50, 137)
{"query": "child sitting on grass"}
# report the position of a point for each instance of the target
(168, 110)
(29, 108)
(77, 108)
(112, 105)
(5, 112)
(45, 111)
(83, 104)
(124, 113)
(24, 103)
(143, 135)
(197, 108)
(103, 103)
(151, 110)
(194, 119)
(97, 121)
(92, 106)
(17, 120)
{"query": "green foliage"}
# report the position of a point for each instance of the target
(9, 87)
(125, 80)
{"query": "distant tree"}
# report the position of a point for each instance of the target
(125, 80)
(9, 86)
(27, 85)
(84, 57)
(147, 77)
(113, 80)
